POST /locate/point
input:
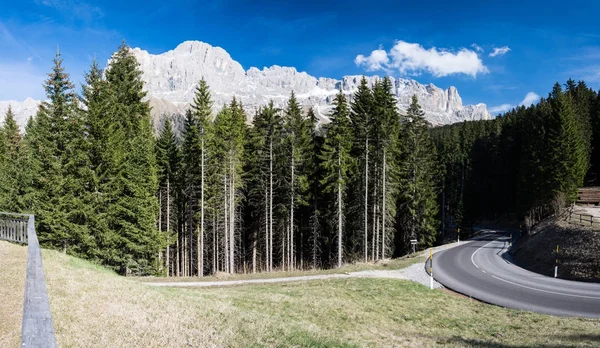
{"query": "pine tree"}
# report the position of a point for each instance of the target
(567, 155)
(202, 107)
(316, 197)
(12, 164)
(60, 164)
(229, 134)
(418, 172)
(130, 178)
(386, 153)
(298, 143)
(361, 118)
(337, 162)
(168, 160)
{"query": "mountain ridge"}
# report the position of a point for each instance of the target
(170, 79)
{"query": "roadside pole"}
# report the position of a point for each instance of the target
(556, 265)
(431, 269)
(458, 235)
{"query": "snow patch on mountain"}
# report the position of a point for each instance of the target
(171, 79)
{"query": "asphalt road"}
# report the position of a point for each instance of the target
(479, 269)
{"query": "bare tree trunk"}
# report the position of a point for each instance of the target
(283, 240)
(160, 230)
(339, 209)
(374, 233)
(191, 241)
(271, 205)
(232, 222)
(184, 251)
(200, 253)
(291, 242)
(254, 253)
(267, 230)
(177, 263)
(226, 228)
(366, 238)
(215, 245)
(383, 213)
(168, 225)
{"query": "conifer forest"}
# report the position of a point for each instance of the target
(211, 192)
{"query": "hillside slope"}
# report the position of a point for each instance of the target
(578, 251)
(93, 307)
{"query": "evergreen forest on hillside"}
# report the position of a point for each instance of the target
(283, 192)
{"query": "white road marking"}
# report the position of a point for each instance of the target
(473, 261)
(547, 291)
(524, 286)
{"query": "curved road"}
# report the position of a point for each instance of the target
(479, 269)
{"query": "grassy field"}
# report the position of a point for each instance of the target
(93, 307)
(13, 267)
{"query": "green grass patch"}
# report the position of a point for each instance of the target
(93, 308)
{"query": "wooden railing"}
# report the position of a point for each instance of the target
(13, 228)
(37, 329)
(583, 220)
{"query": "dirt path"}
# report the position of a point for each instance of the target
(414, 272)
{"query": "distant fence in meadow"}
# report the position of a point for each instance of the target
(37, 329)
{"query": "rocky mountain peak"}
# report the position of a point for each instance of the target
(171, 79)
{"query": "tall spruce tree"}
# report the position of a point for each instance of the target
(130, 179)
(168, 160)
(12, 164)
(361, 117)
(337, 163)
(386, 171)
(567, 153)
(418, 205)
(298, 143)
(202, 108)
(59, 161)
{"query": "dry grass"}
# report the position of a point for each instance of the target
(398, 263)
(93, 307)
(13, 268)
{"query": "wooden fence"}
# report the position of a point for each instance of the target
(13, 228)
(583, 220)
(37, 329)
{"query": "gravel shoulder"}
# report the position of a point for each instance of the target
(415, 272)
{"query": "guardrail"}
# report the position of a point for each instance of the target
(37, 329)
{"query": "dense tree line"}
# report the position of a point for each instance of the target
(221, 195)
(524, 165)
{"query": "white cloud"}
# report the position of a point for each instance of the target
(412, 59)
(377, 60)
(477, 47)
(499, 109)
(530, 98)
(500, 51)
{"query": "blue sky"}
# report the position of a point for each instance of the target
(441, 42)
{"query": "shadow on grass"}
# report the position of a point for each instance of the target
(576, 340)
